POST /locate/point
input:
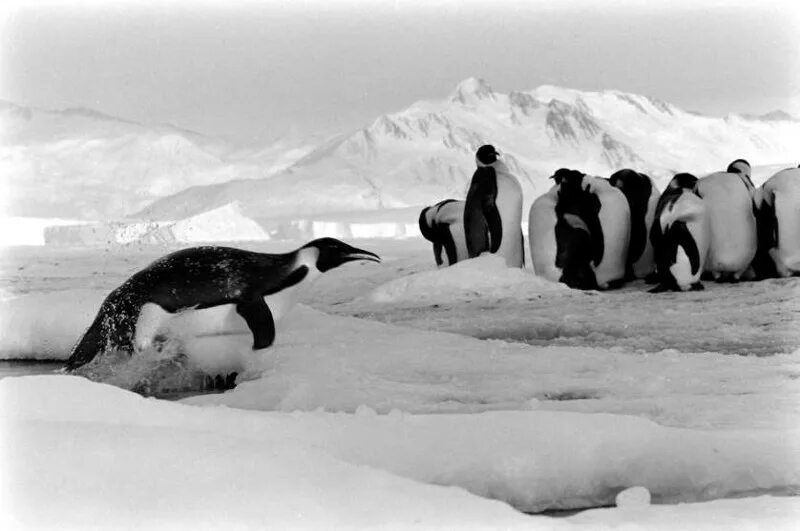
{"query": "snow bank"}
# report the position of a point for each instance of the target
(309, 229)
(45, 326)
(16, 230)
(106, 457)
(485, 276)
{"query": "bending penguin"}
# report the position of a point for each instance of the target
(680, 236)
(731, 209)
(592, 231)
(208, 291)
(642, 196)
(493, 210)
(778, 252)
(443, 225)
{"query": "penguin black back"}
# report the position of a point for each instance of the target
(637, 188)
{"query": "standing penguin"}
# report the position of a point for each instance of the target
(208, 290)
(443, 225)
(493, 210)
(542, 221)
(642, 196)
(680, 236)
(730, 204)
(592, 231)
(742, 168)
(779, 226)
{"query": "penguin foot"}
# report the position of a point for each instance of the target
(697, 286)
(651, 278)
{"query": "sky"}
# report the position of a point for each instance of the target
(255, 71)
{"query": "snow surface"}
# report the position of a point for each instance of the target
(602, 397)
(104, 457)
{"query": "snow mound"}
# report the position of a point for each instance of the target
(226, 223)
(484, 276)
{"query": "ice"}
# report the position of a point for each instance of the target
(417, 425)
(633, 497)
(531, 460)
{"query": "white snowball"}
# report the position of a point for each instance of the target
(633, 497)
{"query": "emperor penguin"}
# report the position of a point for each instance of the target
(542, 221)
(731, 210)
(593, 225)
(680, 236)
(493, 210)
(779, 226)
(443, 225)
(209, 290)
(742, 168)
(642, 195)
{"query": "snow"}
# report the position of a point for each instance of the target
(356, 423)
(70, 440)
(17, 230)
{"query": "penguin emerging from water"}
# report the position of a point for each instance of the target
(443, 225)
(680, 236)
(642, 196)
(211, 289)
(493, 210)
(729, 199)
(778, 253)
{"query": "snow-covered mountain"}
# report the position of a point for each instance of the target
(82, 164)
(425, 152)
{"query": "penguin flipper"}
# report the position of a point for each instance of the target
(495, 227)
(259, 319)
(448, 243)
(679, 232)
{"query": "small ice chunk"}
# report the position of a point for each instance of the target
(365, 411)
(633, 497)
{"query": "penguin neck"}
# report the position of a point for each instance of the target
(498, 165)
(307, 256)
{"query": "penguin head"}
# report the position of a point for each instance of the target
(570, 178)
(683, 180)
(486, 155)
(739, 166)
(333, 253)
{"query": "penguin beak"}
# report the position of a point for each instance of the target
(355, 254)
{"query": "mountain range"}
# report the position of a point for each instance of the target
(86, 165)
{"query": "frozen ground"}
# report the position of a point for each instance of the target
(560, 416)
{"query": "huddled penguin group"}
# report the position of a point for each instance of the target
(597, 233)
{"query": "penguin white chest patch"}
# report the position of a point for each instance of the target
(281, 302)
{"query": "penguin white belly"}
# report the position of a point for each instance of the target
(731, 222)
(615, 219)
(787, 254)
(542, 236)
(646, 262)
(509, 204)
(681, 270)
(460, 239)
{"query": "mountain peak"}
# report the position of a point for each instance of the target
(471, 90)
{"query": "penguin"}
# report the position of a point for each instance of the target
(680, 236)
(742, 168)
(592, 231)
(778, 253)
(493, 210)
(732, 219)
(443, 225)
(642, 196)
(542, 221)
(215, 290)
